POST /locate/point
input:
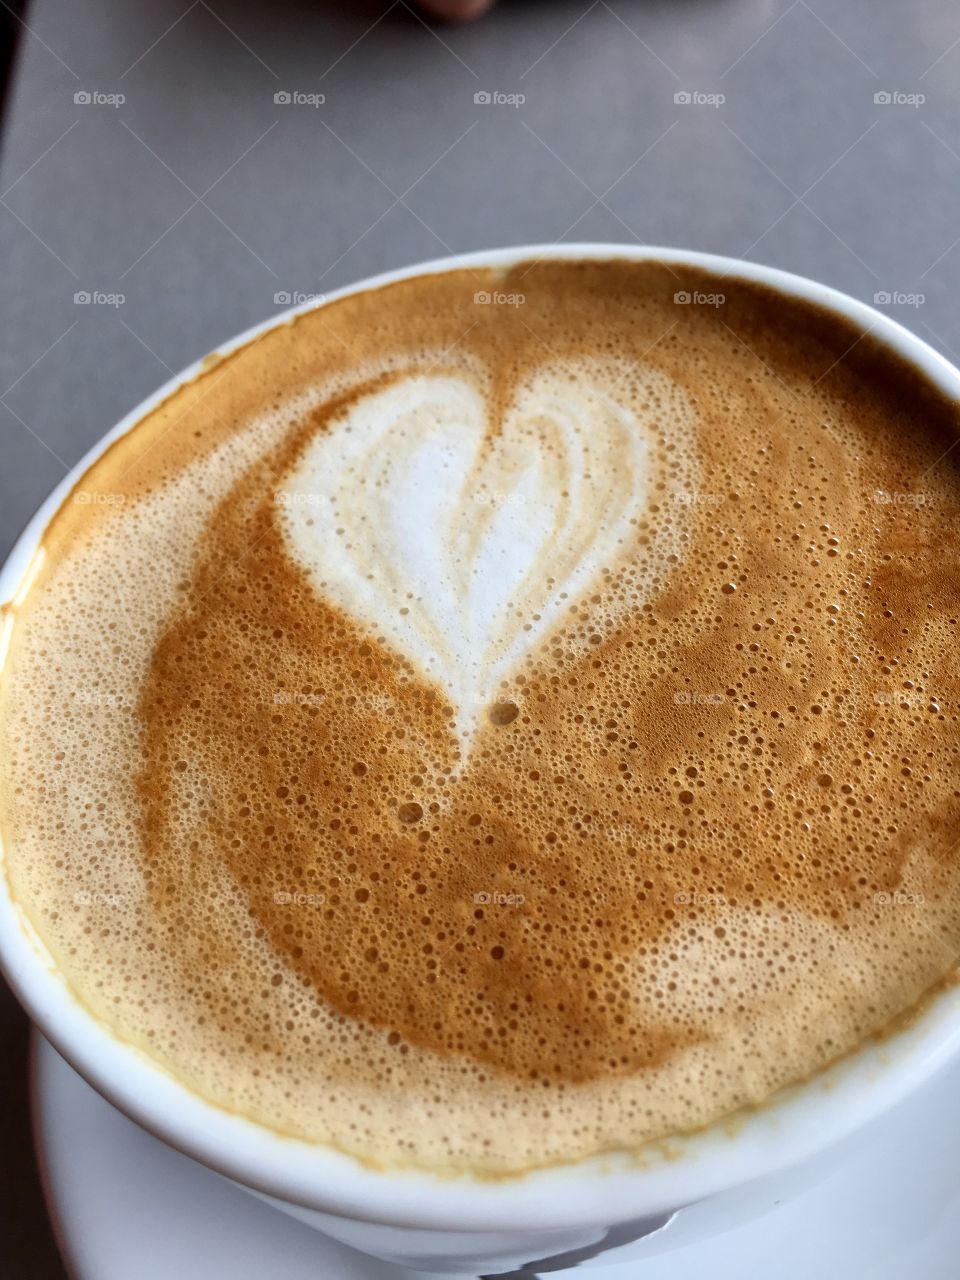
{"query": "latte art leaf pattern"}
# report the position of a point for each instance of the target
(463, 540)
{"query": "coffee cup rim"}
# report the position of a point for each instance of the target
(617, 1186)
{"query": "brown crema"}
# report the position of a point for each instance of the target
(692, 839)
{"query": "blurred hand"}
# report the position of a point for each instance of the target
(456, 10)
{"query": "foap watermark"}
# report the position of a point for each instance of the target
(897, 98)
(95, 498)
(297, 98)
(696, 98)
(494, 898)
(898, 898)
(906, 699)
(96, 98)
(497, 298)
(486, 702)
(295, 498)
(698, 898)
(496, 498)
(696, 298)
(97, 298)
(692, 698)
(286, 698)
(299, 898)
(99, 898)
(694, 498)
(496, 98)
(297, 298)
(897, 298)
(100, 698)
(897, 498)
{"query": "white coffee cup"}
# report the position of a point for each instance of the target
(463, 1225)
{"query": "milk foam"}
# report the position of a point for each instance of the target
(272, 832)
(463, 540)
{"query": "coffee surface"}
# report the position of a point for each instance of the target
(476, 734)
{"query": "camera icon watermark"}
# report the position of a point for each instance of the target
(697, 298)
(297, 298)
(895, 498)
(493, 898)
(97, 298)
(896, 98)
(94, 98)
(497, 298)
(297, 98)
(495, 98)
(296, 498)
(96, 498)
(298, 898)
(897, 298)
(695, 98)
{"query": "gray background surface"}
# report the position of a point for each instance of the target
(200, 199)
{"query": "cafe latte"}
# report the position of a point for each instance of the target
(478, 734)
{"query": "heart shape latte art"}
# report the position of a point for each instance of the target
(461, 540)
